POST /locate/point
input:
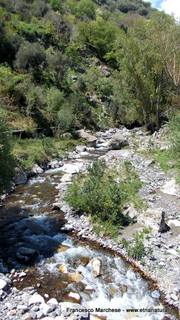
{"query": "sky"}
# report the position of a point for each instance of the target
(169, 6)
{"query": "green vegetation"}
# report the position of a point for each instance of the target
(102, 193)
(137, 250)
(31, 151)
(88, 63)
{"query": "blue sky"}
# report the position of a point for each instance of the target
(169, 6)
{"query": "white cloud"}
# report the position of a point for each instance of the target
(171, 7)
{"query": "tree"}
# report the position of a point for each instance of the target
(166, 35)
(99, 35)
(141, 59)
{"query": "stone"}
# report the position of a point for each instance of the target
(72, 168)
(67, 135)
(170, 187)
(53, 301)
(20, 176)
(47, 308)
(54, 164)
(62, 268)
(86, 136)
(163, 227)
(36, 299)
(118, 141)
(131, 212)
(174, 223)
(96, 267)
(22, 274)
(74, 277)
(36, 169)
(80, 149)
(3, 284)
(27, 316)
(73, 296)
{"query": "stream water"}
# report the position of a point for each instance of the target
(64, 264)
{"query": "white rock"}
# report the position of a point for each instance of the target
(96, 267)
(80, 149)
(37, 169)
(53, 301)
(47, 308)
(87, 136)
(54, 164)
(22, 274)
(73, 167)
(170, 187)
(36, 298)
(74, 296)
(3, 284)
(174, 223)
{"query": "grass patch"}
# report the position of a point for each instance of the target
(31, 151)
(102, 193)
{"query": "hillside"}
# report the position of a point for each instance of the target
(66, 65)
(61, 63)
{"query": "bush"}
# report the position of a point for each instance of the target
(99, 194)
(86, 9)
(100, 35)
(30, 56)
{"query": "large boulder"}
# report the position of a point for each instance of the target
(91, 139)
(117, 142)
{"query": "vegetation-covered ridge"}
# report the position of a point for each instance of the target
(68, 64)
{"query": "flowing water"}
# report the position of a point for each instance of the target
(64, 264)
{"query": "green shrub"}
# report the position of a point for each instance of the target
(86, 9)
(137, 250)
(100, 194)
(30, 56)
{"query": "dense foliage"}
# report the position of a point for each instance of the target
(68, 64)
(102, 193)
